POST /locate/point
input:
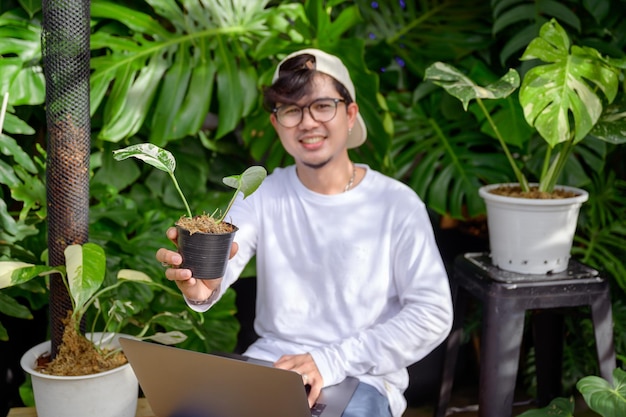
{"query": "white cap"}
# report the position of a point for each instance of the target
(331, 65)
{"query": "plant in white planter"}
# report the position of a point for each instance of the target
(204, 241)
(89, 374)
(561, 99)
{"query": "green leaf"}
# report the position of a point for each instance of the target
(15, 125)
(29, 87)
(229, 89)
(612, 124)
(564, 87)
(462, 87)
(197, 101)
(150, 154)
(10, 307)
(131, 97)
(174, 86)
(133, 275)
(158, 158)
(134, 19)
(15, 273)
(31, 6)
(562, 407)
(169, 338)
(8, 146)
(248, 181)
(86, 268)
(604, 399)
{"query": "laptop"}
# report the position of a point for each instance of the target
(182, 383)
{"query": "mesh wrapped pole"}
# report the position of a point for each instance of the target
(65, 46)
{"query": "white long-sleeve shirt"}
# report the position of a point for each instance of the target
(356, 278)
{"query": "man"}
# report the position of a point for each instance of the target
(349, 278)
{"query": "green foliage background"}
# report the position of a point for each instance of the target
(187, 75)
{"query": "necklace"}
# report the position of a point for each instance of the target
(349, 185)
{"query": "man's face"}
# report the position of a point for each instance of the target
(312, 142)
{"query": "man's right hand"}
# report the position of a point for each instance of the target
(192, 288)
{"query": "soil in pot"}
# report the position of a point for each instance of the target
(78, 356)
(534, 193)
(204, 224)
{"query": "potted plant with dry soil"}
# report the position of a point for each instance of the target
(532, 225)
(204, 240)
(89, 374)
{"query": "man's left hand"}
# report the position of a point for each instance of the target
(305, 366)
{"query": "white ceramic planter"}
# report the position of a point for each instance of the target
(531, 236)
(108, 394)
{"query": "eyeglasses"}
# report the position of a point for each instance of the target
(321, 110)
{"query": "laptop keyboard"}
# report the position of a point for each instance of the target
(317, 409)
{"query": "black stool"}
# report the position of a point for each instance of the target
(506, 297)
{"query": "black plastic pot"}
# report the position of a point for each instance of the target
(205, 254)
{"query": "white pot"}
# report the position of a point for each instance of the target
(531, 236)
(107, 394)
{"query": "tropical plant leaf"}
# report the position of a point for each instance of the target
(612, 124)
(172, 75)
(411, 35)
(86, 267)
(562, 407)
(248, 181)
(605, 399)
(565, 86)
(462, 87)
(133, 275)
(169, 338)
(517, 22)
(12, 308)
(15, 273)
(437, 158)
(159, 158)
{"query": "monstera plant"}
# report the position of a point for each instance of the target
(566, 97)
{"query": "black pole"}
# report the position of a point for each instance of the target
(65, 49)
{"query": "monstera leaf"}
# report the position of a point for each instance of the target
(167, 76)
(565, 87)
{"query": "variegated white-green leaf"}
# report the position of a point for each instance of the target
(150, 154)
(169, 338)
(133, 275)
(465, 89)
(565, 87)
(158, 158)
(7, 269)
(86, 267)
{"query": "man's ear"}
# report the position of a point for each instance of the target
(353, 110)
(273, 120)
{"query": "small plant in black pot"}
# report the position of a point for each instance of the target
(204, 241)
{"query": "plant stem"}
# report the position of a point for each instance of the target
(521, 179)
(182, 196)
(3, 110)
(230, 204)
(548, 181)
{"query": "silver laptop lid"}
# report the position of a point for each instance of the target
(179, 382)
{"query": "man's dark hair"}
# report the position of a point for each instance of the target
(295, 80)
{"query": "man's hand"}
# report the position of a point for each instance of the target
(192, 288)
(306, 367)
